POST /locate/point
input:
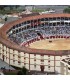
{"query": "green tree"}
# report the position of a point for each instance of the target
(19, 73)
(6, 19)
(67, 10)
(23, 71)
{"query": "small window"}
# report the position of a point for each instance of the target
(24, 64)
(48, 66)
(34, 65)
(42, 60)
(24, 58)
(66, 18)
(42, 55)
(13, 55)
(18, 56)
(16, 31)
(13, 61)
(13, 27)
(48, 55)
(20, 30)
(19, 24)
(48, 60)
(19, 62)
(6, 52)
(34, 59)
(69, 68)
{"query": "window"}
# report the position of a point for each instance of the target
(28, 22)
(19, 56)
(42, 60)
(50, 18)
(42, 55)
(46, 19)
(13, 55)
(24, 58)
(28, 27)
(6, 52)
(58, 18)
(54, 18)
(42, 19)
(69, 68)
(19, 62)
(19, 24)
(24, 22)
(48, 66)
(14, 61)
(60, 56)
(13, 27)
(34, 65)
(16, 31)
(69, 62)
(3, 50)
(66, 18)
(34, 59)
(48, 55)
(62, 18)
(24, 64)
(48, 60)
(20, 30)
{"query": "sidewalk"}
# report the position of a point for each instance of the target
(4, 65)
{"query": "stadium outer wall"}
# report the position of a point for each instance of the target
(32, 59)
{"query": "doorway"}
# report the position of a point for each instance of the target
(42, 68)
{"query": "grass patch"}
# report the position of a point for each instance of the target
(10, 73)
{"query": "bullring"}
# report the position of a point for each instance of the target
(17, 36)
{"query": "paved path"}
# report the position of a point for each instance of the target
(5, 65)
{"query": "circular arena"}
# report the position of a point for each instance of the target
(37, 42)
(57, 44)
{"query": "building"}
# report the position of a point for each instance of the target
(47, 12)
(65, 66)
(29, 8)
(14, 48)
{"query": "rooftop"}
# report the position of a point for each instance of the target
(66, 60)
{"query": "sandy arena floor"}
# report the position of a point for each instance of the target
(58, 44)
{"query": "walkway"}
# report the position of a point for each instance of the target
(5, 65)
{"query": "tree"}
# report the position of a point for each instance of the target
(19, 73)
(67, 10)
(6, 19)
(23, 71)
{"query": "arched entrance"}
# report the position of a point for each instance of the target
(42, 68)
